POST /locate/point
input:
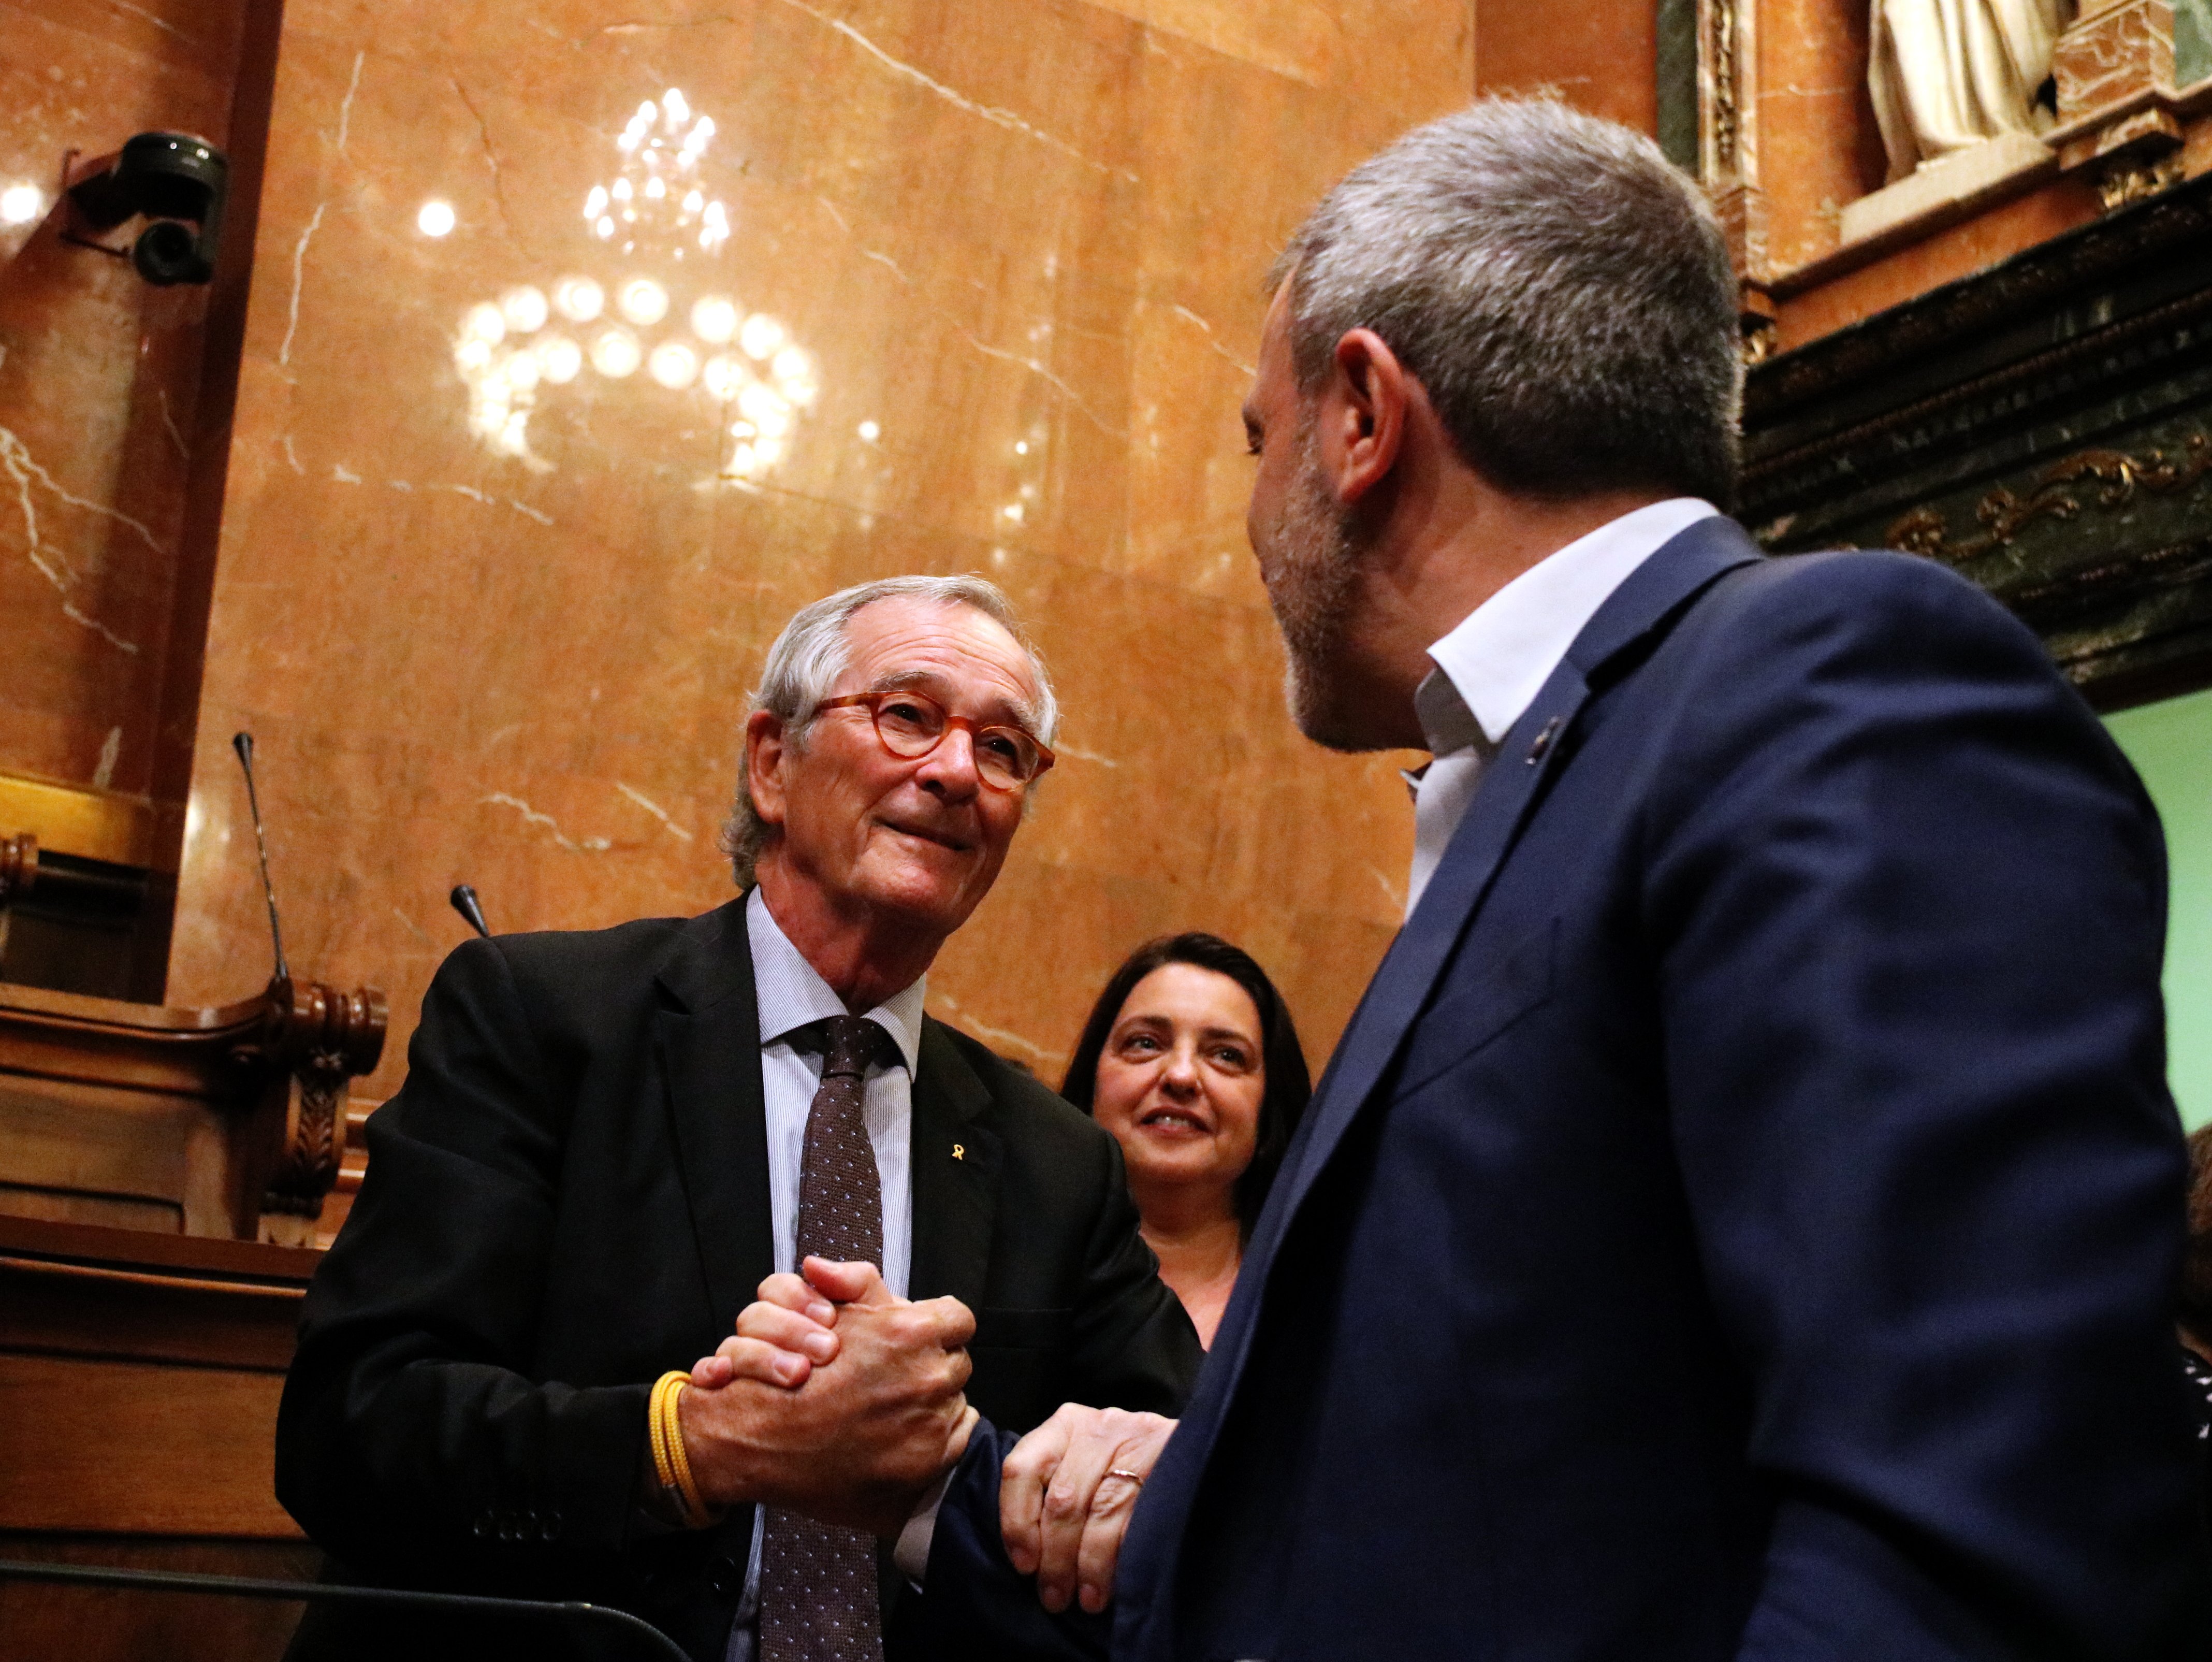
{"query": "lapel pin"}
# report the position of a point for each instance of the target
(958, 1152)
(1543, 741)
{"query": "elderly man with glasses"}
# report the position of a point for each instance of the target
(608, 1142)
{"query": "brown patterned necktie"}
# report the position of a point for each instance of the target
(818, 1597)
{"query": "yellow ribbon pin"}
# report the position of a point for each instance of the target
(958, 1152)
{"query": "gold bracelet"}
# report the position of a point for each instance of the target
(670, 1462)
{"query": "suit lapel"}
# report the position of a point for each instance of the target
(707, 1036)
(955, 1164)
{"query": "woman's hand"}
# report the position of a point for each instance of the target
(1066, 1494)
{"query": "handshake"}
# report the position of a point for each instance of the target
(838, 1399)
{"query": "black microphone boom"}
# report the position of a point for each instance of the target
(465, 901)
(243, 744)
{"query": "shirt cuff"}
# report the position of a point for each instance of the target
(911, 1551)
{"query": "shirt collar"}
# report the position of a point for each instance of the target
(791, 993)
(1491, 668)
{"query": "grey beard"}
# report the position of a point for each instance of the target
(1317, 570)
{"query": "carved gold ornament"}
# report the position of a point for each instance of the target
(2058, 495)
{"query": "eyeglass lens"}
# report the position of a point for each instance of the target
(912, 725)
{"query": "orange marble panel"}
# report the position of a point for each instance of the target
(1818, 145)
(495, 575)
(2112, 55)
(1603, 57)
(99, 385)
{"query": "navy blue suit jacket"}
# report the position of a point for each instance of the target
(1742, 1218)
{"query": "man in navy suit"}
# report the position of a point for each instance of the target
(1741, 1219)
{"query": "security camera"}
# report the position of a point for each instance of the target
(175, 180)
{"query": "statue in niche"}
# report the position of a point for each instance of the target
(1948, 74)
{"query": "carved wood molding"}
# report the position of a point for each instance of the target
(324, 1038)
(2162, 228)
(269, 1073)
(2056, 496)
(2045, 425)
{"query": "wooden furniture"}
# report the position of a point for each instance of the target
(81, 909)
(139, 1377)
(222, 1122)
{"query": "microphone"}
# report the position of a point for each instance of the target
(243, 744)
(465, 901)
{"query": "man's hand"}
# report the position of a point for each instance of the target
(1066, 1494)
(780, 1337)
(857, 1439)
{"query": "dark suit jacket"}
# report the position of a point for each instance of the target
(568, 1196)
(1740, 1218)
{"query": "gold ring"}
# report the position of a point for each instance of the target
(1123, 1472)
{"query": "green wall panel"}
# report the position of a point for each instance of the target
(2193, 42)
(2170, 745)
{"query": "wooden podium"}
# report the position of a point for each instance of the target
(227, 1122)
(139, 1374)
(162, 1173)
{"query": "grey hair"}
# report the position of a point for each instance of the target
(808, 657)
(1561, 292)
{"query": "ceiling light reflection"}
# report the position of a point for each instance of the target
(642, 300)
(869, 432)
(559, 359)
(616, 353)
(436, 218)
(715, 319)
(485, 322)
(20, 204)
(724, 376)
(674, 365)
(761, 336)
(654, 208)
(579, 299)
(524, 308)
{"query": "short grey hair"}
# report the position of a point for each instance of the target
(1558, 288)
(812, 653)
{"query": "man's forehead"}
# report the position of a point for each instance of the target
(936, 646)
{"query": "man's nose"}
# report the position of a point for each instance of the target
(951, 768)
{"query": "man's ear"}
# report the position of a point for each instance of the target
(767, 751)
(1363, 412)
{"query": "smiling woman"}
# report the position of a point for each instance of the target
(1191, 1060)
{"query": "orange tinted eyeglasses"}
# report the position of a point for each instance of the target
(913, 724)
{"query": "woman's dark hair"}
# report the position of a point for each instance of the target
(1282, 1064)
(2196, 1263)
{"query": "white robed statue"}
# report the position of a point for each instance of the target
(1945, 74)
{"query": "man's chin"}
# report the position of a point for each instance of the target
(1323, 714)
(932, 885)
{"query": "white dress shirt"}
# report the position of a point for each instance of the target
(789, 994)
(1490, 669)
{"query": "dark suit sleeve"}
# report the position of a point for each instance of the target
(1906, 903)
(409, 1439)
(979, 1608)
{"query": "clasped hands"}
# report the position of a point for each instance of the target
(839, 1399)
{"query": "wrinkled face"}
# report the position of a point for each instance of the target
(871, 832)
(1181, 1079)
(1302, 539)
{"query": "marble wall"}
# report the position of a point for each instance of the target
(100, 384)
(586, 341)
